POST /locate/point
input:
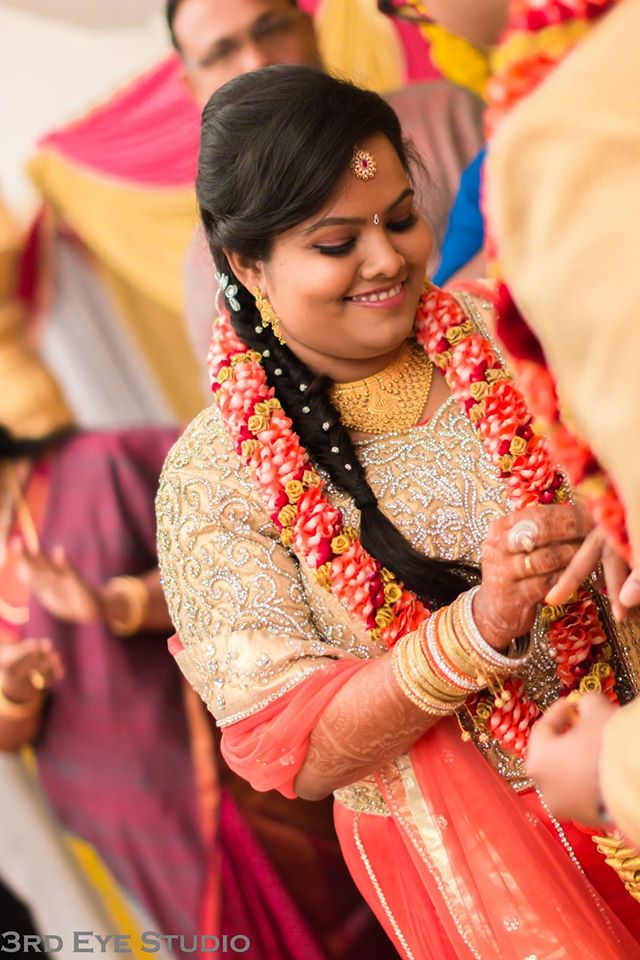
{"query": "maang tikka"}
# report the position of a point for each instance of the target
(269, 316)
(362, 164)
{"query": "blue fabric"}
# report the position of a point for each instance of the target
(464, 235)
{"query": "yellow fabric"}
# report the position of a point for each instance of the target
(10, 249)
(32, 404)
(564, 199)
(457, 59)
(161, 335)
(358, 42)
(620, 770)
(139, 237)
(142, 233)
(110, 895)
(552, 41)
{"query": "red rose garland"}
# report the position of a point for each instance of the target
(315, 530)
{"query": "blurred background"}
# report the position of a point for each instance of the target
(97, 167)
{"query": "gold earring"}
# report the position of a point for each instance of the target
(268, 314)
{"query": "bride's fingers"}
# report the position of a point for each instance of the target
(584, 562)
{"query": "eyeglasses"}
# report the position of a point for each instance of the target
(268, 31)
(413, 11)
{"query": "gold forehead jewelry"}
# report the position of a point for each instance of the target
(392, 399)
(362, 164)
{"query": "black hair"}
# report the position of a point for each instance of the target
(171, 8)
(274, 143)
(15, 448)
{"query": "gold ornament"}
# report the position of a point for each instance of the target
(393, 399)
(362, 164)
(623, 858)
(268, 314)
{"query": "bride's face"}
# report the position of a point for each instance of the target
(345, 283)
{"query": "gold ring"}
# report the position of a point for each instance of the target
(38, 679)
(528, 566)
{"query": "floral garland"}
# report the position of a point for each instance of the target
(539, 35)
(310, 524)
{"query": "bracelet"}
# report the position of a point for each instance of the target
(480, 646)
(457, 648)
(18, 711)
(419, 682)
(136, 594)
(461, 680)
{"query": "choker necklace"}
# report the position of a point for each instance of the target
(392, 399)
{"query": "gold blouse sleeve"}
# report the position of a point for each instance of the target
(235, 594)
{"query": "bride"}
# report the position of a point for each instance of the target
(356, 536)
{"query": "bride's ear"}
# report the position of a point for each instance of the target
(250, 273)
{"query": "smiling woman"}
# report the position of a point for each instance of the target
(321, 527)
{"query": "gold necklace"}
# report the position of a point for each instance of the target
(392, 399)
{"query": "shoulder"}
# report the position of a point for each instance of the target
(204, 447)
(203, 476)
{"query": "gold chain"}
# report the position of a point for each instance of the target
(393, 399)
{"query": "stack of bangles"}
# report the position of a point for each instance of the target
(439, 665)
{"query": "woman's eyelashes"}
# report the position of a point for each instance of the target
(399, 226)
(340, 249)
(335, 249)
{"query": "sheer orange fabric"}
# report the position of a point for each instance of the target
(465, 867)
(269, 747)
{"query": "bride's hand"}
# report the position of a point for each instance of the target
(522, 558)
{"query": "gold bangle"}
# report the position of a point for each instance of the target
(11, 710)
(136, 594)
(472, 644)
(418, 681)
(427, 678)
(454, 645)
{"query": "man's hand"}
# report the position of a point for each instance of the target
(563, 757)
(622, 586)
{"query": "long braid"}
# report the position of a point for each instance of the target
(306, 399)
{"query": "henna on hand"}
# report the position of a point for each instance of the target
(514, 581)
(367, 724)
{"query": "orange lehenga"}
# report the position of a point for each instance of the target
(451, 848)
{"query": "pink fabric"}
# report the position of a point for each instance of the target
(490, 874)
(148, 133)
(417, 53)
(249, 898)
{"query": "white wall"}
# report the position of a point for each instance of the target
(54, 65)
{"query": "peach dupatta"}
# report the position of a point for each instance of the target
(488, 880)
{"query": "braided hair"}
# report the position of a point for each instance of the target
(273, 145)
